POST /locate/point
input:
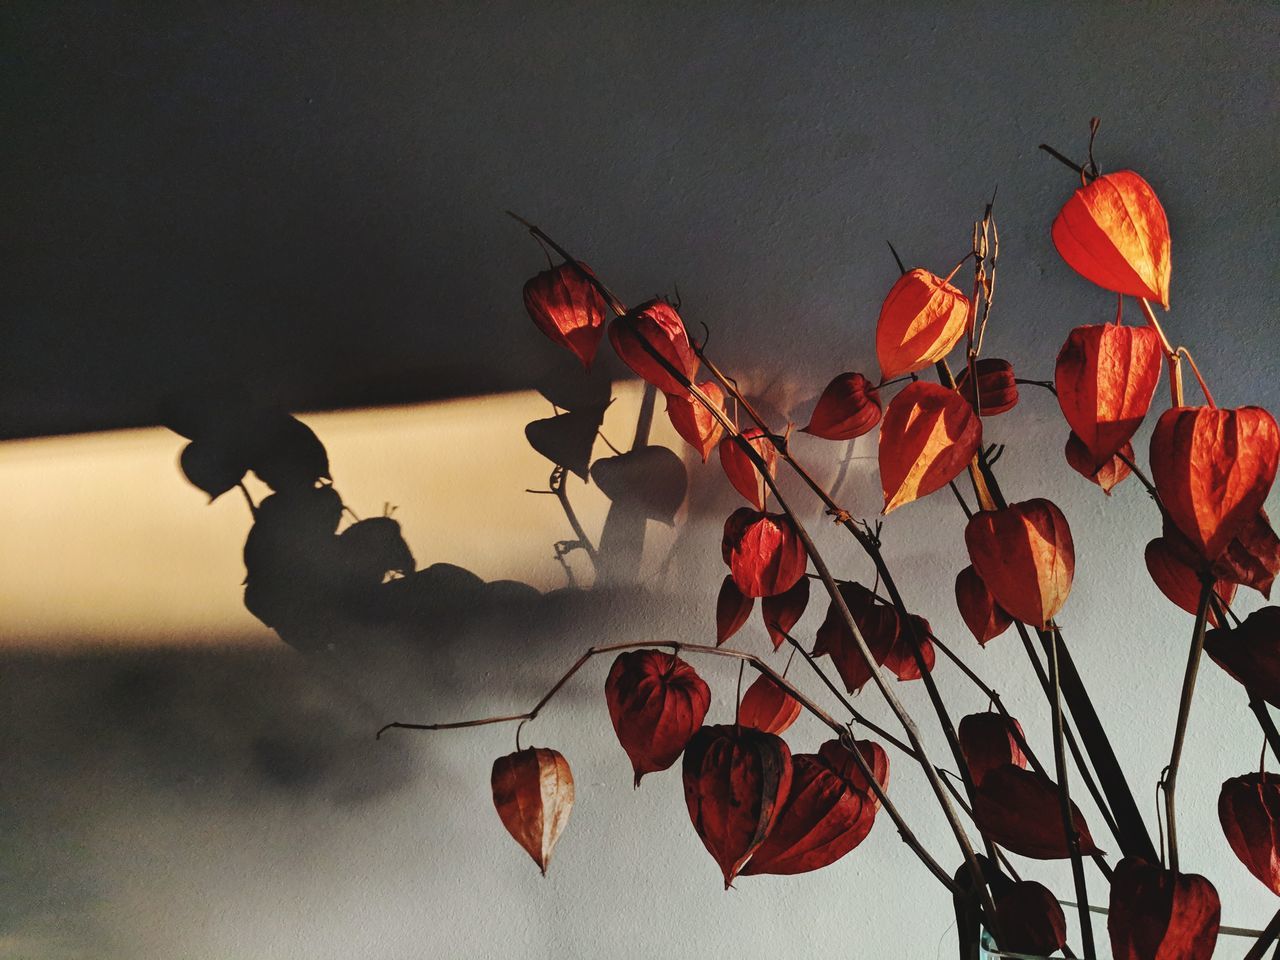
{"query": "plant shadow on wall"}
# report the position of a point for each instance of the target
(338, 589)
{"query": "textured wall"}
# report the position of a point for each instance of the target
(305, 204)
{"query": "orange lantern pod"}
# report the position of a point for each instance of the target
(693, 421)
(784, 610)
(1251, 653)
(1156, 914)
(987, 741)
(997, 389)
(736, 780)
(1114, 232)
(1179, 582)
(1213, 469)
(1031, 919)
(1106, 476)
(928, 436)
(1106, 375)
(1025, 556)
(848, 408)
(656, 323)
(767, 707)
(915, 634)
(742, 473)
(822, 820)
(656, 703)
(1249, 811)
(920, 321)
(763, 551)
(1019, 810)
(985, 618)
(839, 758)
(567, 307)
(878, 623)
(732, 610)
(533, 794)
(1252, 558)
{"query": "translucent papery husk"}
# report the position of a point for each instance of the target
(1025, 555)
(657, 323)
(1031, 919)
(840, 759)
(656, 703)
(1179, 582)
(1156, 914)
(928, 436)
(693, 421)
(1105, 376)
(823, 819)
(920, 321)
(987, 741)
(783, 611)
(997, 391)
(1251, 653)
(1114, 232)
(985, 618)
(1019, 810)
(848, 407)
(736, 780)
(742, 473)
(1106, 476)
(767, 707)
(732, 610)
(567, 307)
(533, 794)
(878, 623)
(1249, 811)
(764, 552)
(1213, 469)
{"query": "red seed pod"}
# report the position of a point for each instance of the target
(1251, 653)
(1105, 376)
(1252, 559)
(657, 323)
(901, 660)
(928, 436)
(1019, 809)
(732, 610)
(985, 618)
(783, 611)
(1114, 232)
(767, 707)
(742, 473)
(1106, 476)
(920, 321)
(878, 623)
(988, 741)
(1025, 556)
(656, 702)
(533, 794)
(842, 763)
(997, 390)
(1179, 582)
(736, 780)
(848, 408)
(764, 552)
(1249, 811)
(693, 421)
(822, 820)
(568, 308)
(1156, 914)
(1031, 919)
(1213, 469)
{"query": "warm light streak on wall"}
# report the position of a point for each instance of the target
(106, 542)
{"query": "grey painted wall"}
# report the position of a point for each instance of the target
(305, 202)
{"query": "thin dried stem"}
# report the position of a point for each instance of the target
(1171, 355)
(1267, 937)
(1169, 782)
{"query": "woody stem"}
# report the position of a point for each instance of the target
(1172, 358)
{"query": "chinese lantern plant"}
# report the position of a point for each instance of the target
(762, 806)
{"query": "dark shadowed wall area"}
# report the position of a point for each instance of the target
(302, 205)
